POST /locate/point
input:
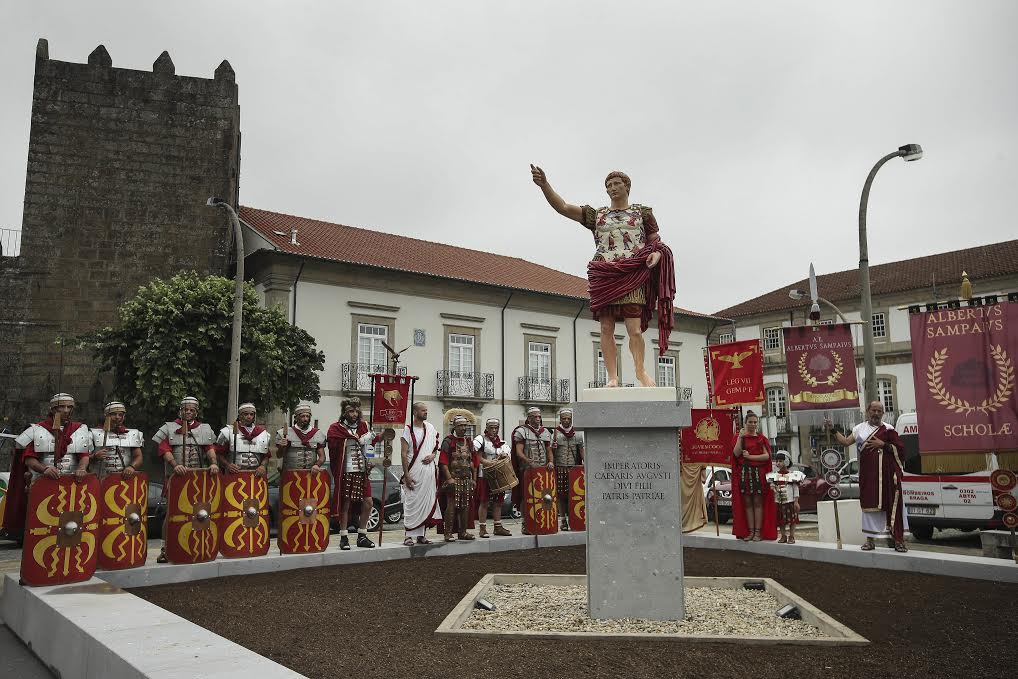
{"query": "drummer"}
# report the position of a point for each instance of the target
(491, 449)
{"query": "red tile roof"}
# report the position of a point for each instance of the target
(353, 245)
(981, 263)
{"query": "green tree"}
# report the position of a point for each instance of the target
(173, 340)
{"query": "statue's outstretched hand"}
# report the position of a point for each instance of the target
(538, 176)
(654, 258)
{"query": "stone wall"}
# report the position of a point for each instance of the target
(120, 165)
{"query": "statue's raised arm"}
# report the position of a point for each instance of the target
(556, 201)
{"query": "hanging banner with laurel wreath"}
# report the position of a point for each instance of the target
(821, 367)
(709, 438)
(737, 372)
(963, 366)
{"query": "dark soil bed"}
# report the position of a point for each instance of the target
(378, 620)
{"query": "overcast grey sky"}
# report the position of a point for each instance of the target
(748, 126)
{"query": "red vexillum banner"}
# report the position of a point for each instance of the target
(737, 368)
(391, 399)
(963, 367)
(710, 437)
(821, 367)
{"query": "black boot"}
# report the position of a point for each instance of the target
(344, 543)
(364, 541)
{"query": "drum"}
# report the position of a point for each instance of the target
(500, 475)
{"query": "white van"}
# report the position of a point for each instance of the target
(945, 498)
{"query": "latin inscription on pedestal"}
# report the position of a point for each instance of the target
(634, 513)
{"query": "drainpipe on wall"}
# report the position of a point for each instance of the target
(508, 299)
(576, 373)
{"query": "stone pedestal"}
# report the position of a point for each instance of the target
(634, 513)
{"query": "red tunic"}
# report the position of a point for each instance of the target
(740, 529)
(880, 474)
(336, 438)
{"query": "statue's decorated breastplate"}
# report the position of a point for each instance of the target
(618, 233)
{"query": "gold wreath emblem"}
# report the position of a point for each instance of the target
(832, 379)
(708, 429)
(1005, 383)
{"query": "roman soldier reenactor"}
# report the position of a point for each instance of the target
(53, 447)
(245, 445)
(349, 440)
(567, 451)
(185, 443)
(117, 448)
(489, 448)
(301, 446)
(531, 448)
(458, 463)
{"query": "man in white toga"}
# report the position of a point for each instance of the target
(419, 485)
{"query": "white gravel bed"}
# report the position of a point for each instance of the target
(709, 611)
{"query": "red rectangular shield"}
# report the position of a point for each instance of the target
(244, 516)
(540, 509)
(123, 529)
(963, 367)
(61, 531)
(821, 367)
(391, 399)
(710, 437)
(193, 500)
(737, 371)
(577, 499)
(303, 512)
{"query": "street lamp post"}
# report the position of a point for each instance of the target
(797, 294)
(238, 310)
(908, 152)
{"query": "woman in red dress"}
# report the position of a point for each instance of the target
(750, 490)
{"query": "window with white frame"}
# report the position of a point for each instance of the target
(461, 364)
(539, 361)
(726, 337)
(369, 344)
(879, 325)
(776, 401)
(885, 393)
(666, 371)
(602, 372)
(772, 339)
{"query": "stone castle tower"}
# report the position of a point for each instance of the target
(120, 165)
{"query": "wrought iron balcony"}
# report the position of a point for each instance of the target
(536, 389)
(357, 376)
(455, 384)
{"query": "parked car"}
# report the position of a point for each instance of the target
(811, 490)
(723, 477)
(945, 498)
(156, 510)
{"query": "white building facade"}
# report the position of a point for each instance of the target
(484, 345)
(992, 270)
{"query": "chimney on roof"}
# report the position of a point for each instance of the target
(293, 236)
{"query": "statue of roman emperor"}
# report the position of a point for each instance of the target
(630, 277)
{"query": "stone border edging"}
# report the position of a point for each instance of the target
(836, 633)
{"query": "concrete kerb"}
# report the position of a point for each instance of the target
(836, 634)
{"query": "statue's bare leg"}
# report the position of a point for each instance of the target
(609, 352)
(637, 347)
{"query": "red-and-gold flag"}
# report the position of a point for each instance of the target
(737, 368)
(710, 437)
(821, 367)
(392, 396)
(963, 367)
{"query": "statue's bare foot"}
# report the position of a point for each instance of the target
(611, 383)
(645, 379)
